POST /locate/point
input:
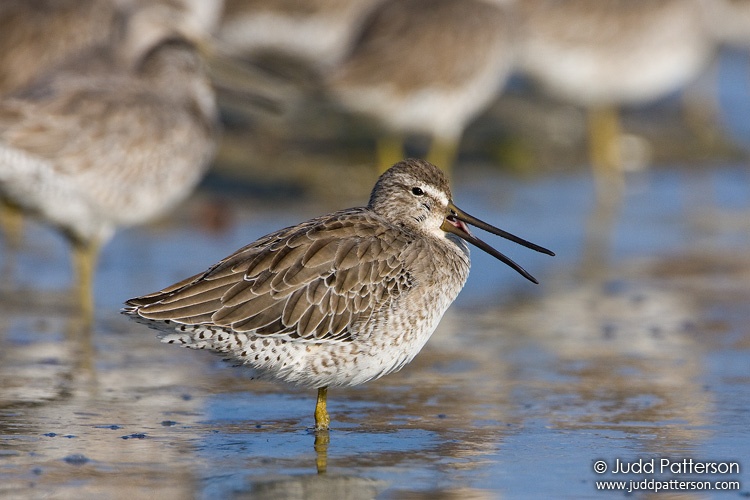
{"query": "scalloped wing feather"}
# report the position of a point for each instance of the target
(311, 282)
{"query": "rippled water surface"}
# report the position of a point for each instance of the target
(636, 345)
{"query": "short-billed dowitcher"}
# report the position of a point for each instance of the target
(114, 137)
(729, 21)
(317, 31)
(36, 35)
(602, 54)
(338, 300)
(429, 67)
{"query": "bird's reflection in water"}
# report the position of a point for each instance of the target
(322, 440)
(39, 331)
(597, 245)
(314, 486)
(79, 338)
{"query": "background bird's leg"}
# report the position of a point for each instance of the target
(11, 219)
(604, 151)
(390, 151)
(85, 256)
(443, 153)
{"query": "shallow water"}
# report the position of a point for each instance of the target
(636, 345)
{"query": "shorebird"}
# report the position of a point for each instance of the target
(338, 300)
(429, 67)
(114, 137)
(38, 34)
(316, 31)
(729, 21)
(602, 54)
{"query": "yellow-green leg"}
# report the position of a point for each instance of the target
(11, 218)
(604, 150)
(390, 151)
(443, 153)
(322, 420)
(85, 256)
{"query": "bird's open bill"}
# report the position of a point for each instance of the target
(456, 223)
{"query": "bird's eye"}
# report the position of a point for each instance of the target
(416, 191)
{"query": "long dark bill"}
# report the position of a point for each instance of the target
(456, 223)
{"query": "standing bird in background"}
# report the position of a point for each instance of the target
(602, 54)
(37, 35)
(283, 48)
(316, 31)
(427, 66)
(729, 21)
(338, 300)
(116, 136)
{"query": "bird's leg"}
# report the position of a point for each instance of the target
(322, 420)
(390, 151)
(11, 218)
(604, 151)
(443, 153)
(85, 255)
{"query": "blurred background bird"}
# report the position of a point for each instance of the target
(426, 66)
(314, 32)
(114, 135)
(729, 24)
(729, 21)
(37, 34)
(604, 54)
